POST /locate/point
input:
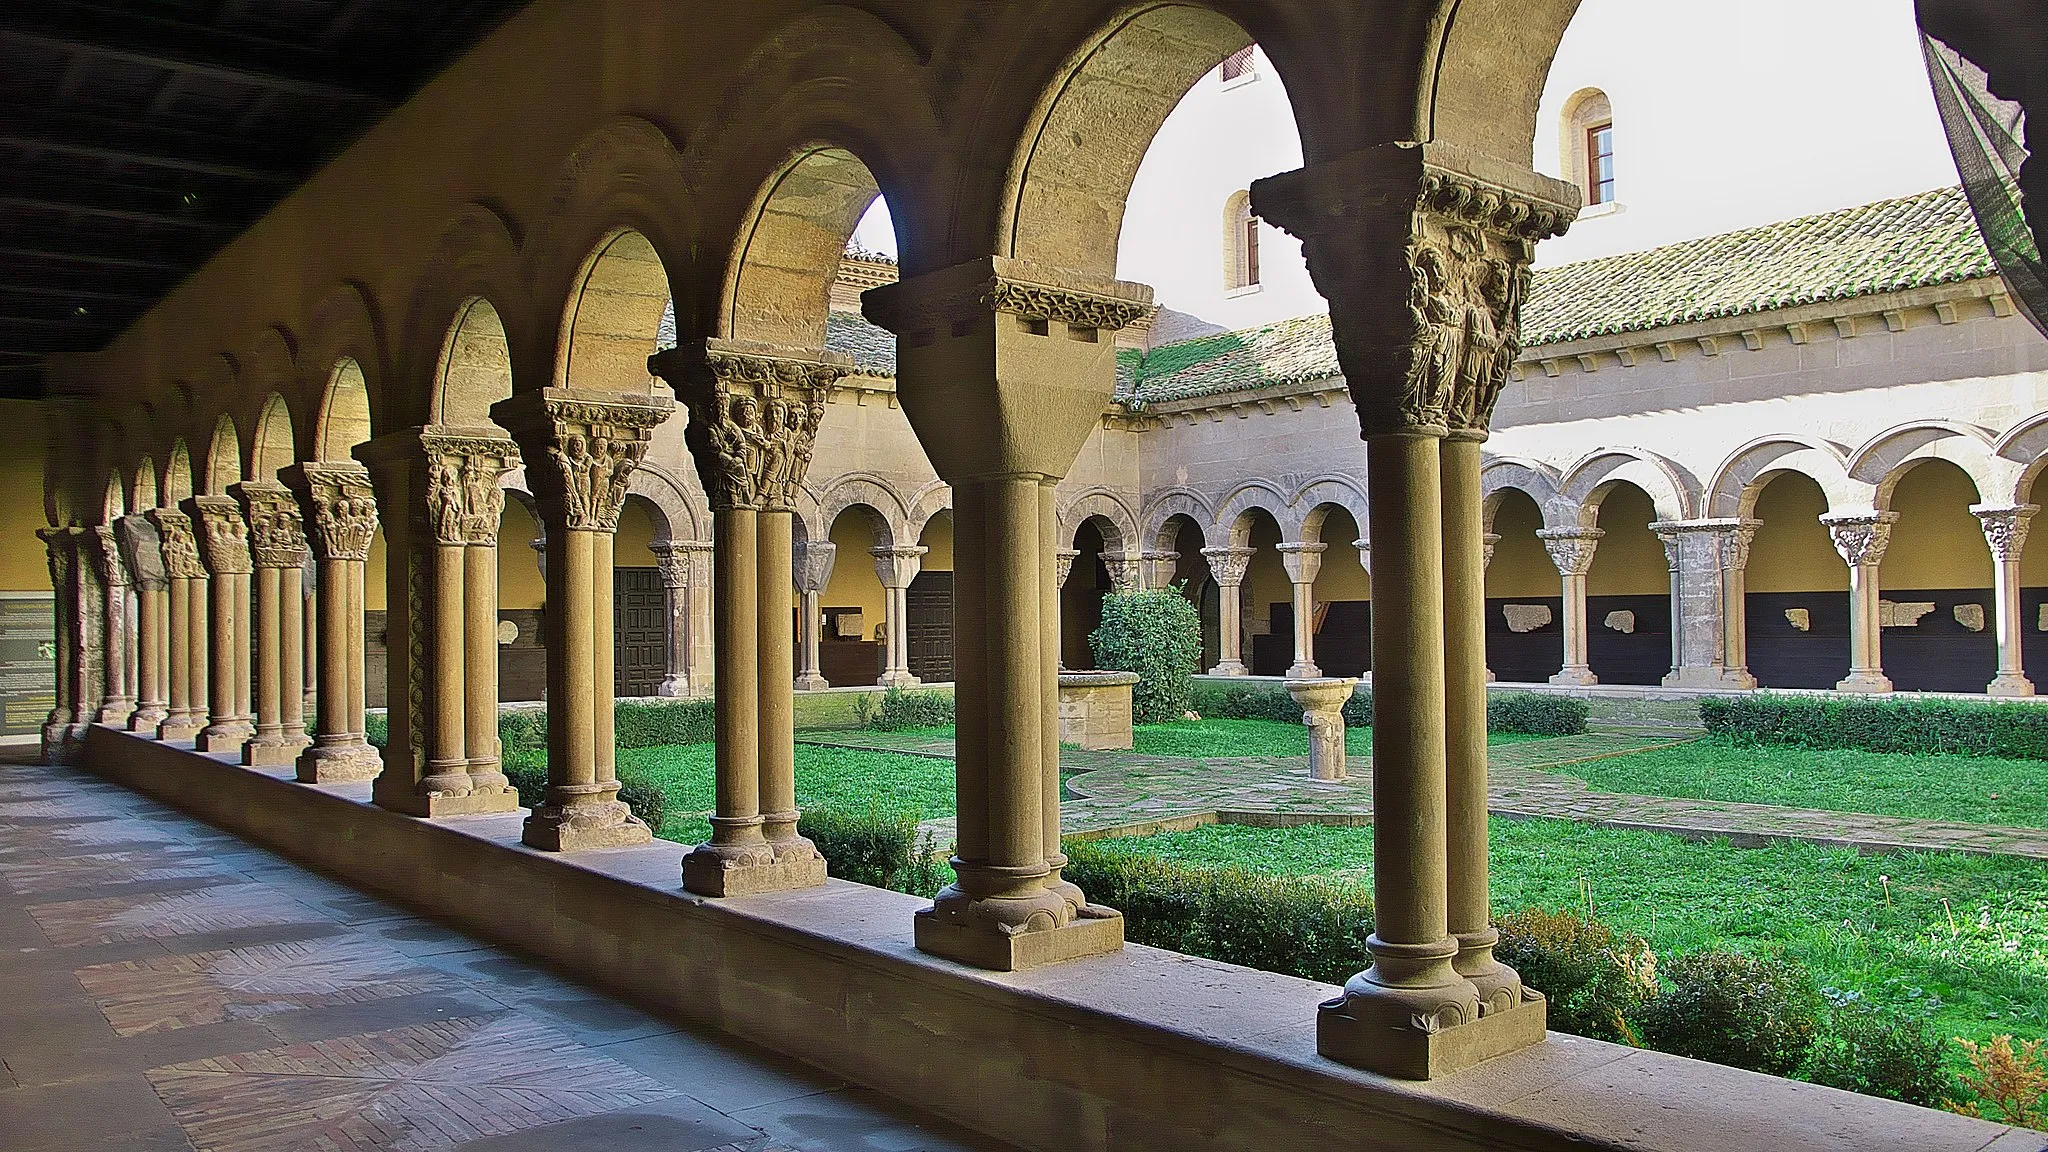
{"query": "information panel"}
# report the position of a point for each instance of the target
(28, 661)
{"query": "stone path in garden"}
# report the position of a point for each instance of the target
(1129, 793)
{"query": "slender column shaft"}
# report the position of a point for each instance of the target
(1016, 821)
(269, 656)
(447, 755)
(198, 654)
(971, 698)
(149, 659)
(1571, 550)
(245, 646)
(2006, 576)
(331, 717)
(673, 562)
(2005, 531)
(337, 508)
(1049, 695)
(358, 581)
(774, 533)
(221, 670)
(604, 657)
(292, 637)
(479, 652)
(1861, 538)
(118, 702)
(736, 588)
(808, 674)
(1230, 629)
(571, 715)
(1304, 631)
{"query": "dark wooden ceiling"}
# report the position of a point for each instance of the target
(136, 138)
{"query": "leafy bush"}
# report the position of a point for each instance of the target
(2005, 1083)
(523, 730)
(1247, 702)
(646, 800)
(2015, 731)
(1156, 634)
(1596, 978)
(1759, 1013)
(529, 774)
(1536, 714)
(1300, 927)
(928, 871)
(377, 729)
(659, 724)
(868, 846)
(900, 709)
(1878, 1054)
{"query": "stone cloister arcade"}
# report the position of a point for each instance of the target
(465, 302)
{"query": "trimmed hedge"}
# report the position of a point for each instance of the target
(878, 848)
(646, 724)
(1536, 714)
(1269, 702)
(1156, 634)
(1596, 978)
(1756, 1012)
(899, 709)
(2012, 730)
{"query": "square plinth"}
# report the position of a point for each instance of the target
(333, 765)
(438, 804)
(553, 834)
(1413, 1054)
(223, 739)
(1088, 936)
(707, 875)
(170, 732)
(256, 754)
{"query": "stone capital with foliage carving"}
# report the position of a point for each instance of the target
(223, 535)
(1571, 549)
(104, 549)
(754, 417)
(2005, 529)
(180, 544)
(968, 294)
(277, 537)
(339, 507)
(1228, 565)
(584, 447)
(1861, 537)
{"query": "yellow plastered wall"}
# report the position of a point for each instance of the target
(938, 536)
(1792, 551)
(1630, 560)
(1937, 543)
(1266, 577)
(854, 583)
(24, 566)
(2034, 561)
(1342, 577)
(1521, 567)
(636, 532)
(373, 575)
(520, 584)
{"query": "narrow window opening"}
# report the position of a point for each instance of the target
(1600, 164)
(1237, 65)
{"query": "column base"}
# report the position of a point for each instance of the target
(898, 680)
(2010, 687)
(1304, 671)
(1579, 677)
(723, 870)
(1351, 1032)
(116, 712)
(1712, 677)
(812, 683)
(266, 753)
(1230, 668)
(434, 805)
(226, 736)
(554, 828)
(673, 688)
(339, 763)
(176, 729)
(1865, 682)
(1094, 931)
(146, 718)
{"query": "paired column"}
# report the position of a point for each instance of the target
(277, 550)
(754, 416)
(1861, 538)
(117, 702)
(2005, 530)
(813, 572)
(186, 634)
(339, 506)
(584, 446)
(143, 554)
(675, 560)
(224, 549)
(1228, 566)
(1571, 550)
(1707, 561)
(1423, 252)
(1304, 562)
(1004, 368)
(61, 545)
(896, 567)
(439, 501)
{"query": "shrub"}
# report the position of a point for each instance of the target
(377, 729)
(900, 709)
(2005, 1083)
(1536, 714)
(1595, 978)
(868, 846)
(1878, 1054)
(523, 730)
(529, 774)
(1299, 927)
(1156, 634)
(1972, 728)
(1759, 1013)
(646, 800)
(928, 871)
(1246, 702)
(657, 724)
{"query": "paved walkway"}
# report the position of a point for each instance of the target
(1110, 791)
(169, 987)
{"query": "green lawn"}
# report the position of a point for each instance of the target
(1971, 789)
(825, 777)
(1826, 907)
(1255, 738)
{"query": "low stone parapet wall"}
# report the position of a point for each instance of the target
(1095, 710)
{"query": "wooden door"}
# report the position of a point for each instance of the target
(929, 601)
(639, 631)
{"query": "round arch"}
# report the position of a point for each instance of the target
(143, 488)
(1888, 457)
(1315, 500)
(1505, 474)
(1119, 525)
(177, 483)
(1233, 518)
(223, 457)
(1591, 479)
(873, 493)
(1741, 479)
(1158, 529)
(273, 445)
(344, 418)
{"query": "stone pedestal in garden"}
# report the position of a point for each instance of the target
(1322, 710)
(1095, 709)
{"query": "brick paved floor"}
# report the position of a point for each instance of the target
(1124, 790)
(169, 987)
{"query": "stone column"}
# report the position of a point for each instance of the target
(224, 549)
(584, 445)
(1322, 710)
(1228, 566)
(2005, 530)
(439, 501)
(117, 702)
(896, 567)
(1423, 252)
(185, 631)
(1004, 368)
(277, 546)
(1159, 567)
(338, 503)
(675, 560)
(1488, 542)
(1571, 549)
(61, 545)
(1706, 560)
(1303, 563)
(143, 554)
(309, 643)
(813, 572)
(1062, 567)
(1861, 538)
(754, 416)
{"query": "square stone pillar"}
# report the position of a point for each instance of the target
(117, 702)
(813, 573)
(1707, 559)
(1571, 550)
(896, 567)
(1861, 538)
(754, 416)
(1004, 368)
(1303, 563)
(2005, 530)
(277, 547)
(1423, 252)
(439, 501)
(676, 560)
(1228, 566)
(185, 630)
(584, 446)
(142, 552)
(340, 506)
(224, 549)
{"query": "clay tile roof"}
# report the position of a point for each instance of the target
(873, 349)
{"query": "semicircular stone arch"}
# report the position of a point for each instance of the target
(1233, 521)
(1121, 533)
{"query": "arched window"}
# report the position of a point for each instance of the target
(1586, 144)
(1240, 243)
(1239, 66)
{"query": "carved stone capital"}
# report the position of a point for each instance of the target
(1063, 565)
(1571, 549)
(672, 558)
(277, 537)
(1304, 562)
(897, 567)
(142, 549)
(1488, 543)
(1423, 251)
(922, 310)
(337, 501)
(223, 534)
(179, 542)
(754, 416)
(1228, 565)
(1861, 537)
(585, 446)
(2005, 528)
(1126, 570)
(104, 552)
(814, 564)
(455, 473)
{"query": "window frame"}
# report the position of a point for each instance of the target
(1598, 191)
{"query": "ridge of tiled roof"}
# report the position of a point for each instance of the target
(873, 349)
